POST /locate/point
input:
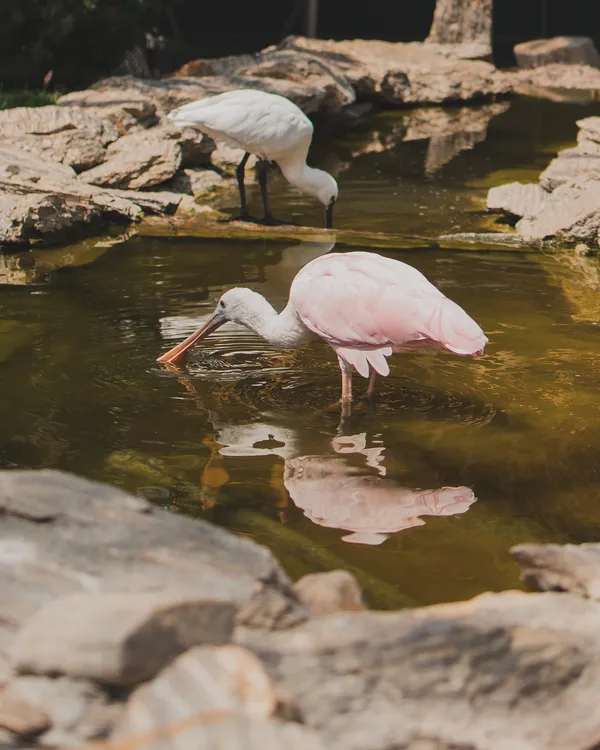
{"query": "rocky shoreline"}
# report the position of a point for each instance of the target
(565, 205)
(108, 155)
(125, 623)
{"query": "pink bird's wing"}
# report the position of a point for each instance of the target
(364, 305)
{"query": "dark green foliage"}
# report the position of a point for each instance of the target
(25, 98)
(78, 39)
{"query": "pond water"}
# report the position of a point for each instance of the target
(421, 494)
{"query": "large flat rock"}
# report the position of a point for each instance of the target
(62, 535)
(500, 672)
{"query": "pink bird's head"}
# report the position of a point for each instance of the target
(238, 305)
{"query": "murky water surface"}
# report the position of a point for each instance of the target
(420, 495)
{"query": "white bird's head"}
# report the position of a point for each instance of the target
(322, 186)
(237, 305)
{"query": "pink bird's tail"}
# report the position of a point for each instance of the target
(456, 331)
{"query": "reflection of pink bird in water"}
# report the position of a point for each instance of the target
(331, 493)
(365, 306)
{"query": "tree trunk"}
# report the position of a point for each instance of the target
(462, 22)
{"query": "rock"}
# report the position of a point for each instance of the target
(571, 213)
(588, 136)
(153, 202)
(56, 529)
(196, 147)
(197, 182)
(463, 21)
(46, 217)
(67, 135)
(331, 592)
(575, 50)
(552, 567)
(405, 73)
(17, 165)
(478, 674)
(516, 199)
(150, 163)
(544, 81)
(320, 96)
(125, 109)
(78, 149)
(223, 731)
(201, 682)
(51, 120)
(119, 639)
(570, 166)
(20, 717)
(73, 709)
(45, 212)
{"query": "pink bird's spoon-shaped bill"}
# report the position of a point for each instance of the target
(178, 352)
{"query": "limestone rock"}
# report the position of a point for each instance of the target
(544, 81)
(571, 213)
(203, 681)
(56, 529)
(51, 120)
(126, 110)
(462, 21)
(517, 199)
(152, 162)
(570, 166)
(331, 592)
(197, 182)
(223, 731)
(552, 567)
(405, 73)
(21, 718)
(18, 165)
(577, 50)
(478, 674)
(71, 710)
(80, 149)
(118, 639)
(68, 135)
(196, 147)
(45, 217)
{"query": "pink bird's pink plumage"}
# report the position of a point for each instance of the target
(367, 306)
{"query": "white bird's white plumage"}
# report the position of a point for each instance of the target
(266, 125)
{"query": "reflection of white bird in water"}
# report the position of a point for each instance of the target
(272, 128)
(365, 306)
(336, 494)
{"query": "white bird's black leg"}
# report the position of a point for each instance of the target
(262, 168)
(240, 173)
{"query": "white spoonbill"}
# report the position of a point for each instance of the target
(273, 129)
(365, 306)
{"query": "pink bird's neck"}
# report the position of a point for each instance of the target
(284, 329)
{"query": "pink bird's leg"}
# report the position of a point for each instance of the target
(371, 386)
(346, 399)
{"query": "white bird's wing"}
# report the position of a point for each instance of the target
(362, 301)
(264, 124)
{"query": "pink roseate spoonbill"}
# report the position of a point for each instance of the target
(365, 306)
(273, 129)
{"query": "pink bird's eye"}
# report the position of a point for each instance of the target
(221, 304)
